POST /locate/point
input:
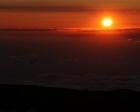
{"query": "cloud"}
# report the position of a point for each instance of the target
(62, 8)
(89, 81)
(49, 8)
(33, 61)
(81, 82)
(12, 56)
(27, 29)
(19, 61)
(25, 58)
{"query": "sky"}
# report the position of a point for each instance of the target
(68, 13)
(80, 59)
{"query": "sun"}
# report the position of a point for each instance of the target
(107, 22)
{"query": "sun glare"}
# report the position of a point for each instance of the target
(107, 22)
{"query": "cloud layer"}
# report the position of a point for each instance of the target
(49, 8)
(83, 82)
(71, 60)
(89, 81)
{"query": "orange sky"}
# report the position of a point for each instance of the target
(18, 14)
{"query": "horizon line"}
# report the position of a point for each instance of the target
(72, 29)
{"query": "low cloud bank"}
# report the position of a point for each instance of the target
(89, 81)
(82, 82)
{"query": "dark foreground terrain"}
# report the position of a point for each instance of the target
(20, 98)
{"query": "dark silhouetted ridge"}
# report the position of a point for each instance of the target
(43, 99)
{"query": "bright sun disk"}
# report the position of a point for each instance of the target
(107, 22)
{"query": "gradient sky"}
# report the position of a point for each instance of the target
(68, 13)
